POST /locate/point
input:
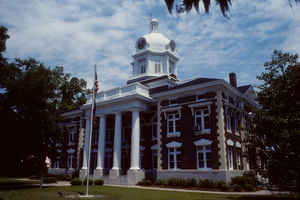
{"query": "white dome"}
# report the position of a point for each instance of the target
(157, 41)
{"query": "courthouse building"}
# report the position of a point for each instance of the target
(160, 125)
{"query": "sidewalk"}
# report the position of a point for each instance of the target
(257, 193)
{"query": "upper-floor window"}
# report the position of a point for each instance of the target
(157, 67)
(202, 119)
(171, 67)
(71, 135)
(173, 123)
(142, 64)
(173, 101)
(228, 120)
(143, 69)
(204, 157)
(154, 130)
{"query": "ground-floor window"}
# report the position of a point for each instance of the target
(238, 159)
(174, 158)
(204, 157)
(70, 160)
(108, 158)
(154, 159)
(56, 163)
(230, 157)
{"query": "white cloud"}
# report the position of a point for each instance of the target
(78, 34)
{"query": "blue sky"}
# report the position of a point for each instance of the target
(77, 34)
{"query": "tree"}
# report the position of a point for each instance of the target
(32, 98)
(187, 5)
(277, 123)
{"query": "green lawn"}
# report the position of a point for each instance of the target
(25, 191)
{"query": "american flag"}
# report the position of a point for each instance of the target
(95, 90)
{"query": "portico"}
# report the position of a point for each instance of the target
(132, 102)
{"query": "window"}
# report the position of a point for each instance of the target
(237, 124)
(173, 158)
(95, 137)
(108, 158)
(154, 130)
(157, 67)
(204, 157)
(56, 163)
(154, 158)
(71, 131)
(70, 160)
(228, 121)
(202, 119)
(141, 163)
(109, 134)
(238, 159)
(171, 67)
(230, 157)
(172, 124)
(143, 69)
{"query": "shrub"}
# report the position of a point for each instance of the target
(242, 180)
(163, 182)
(237, 188)
(224, 187)
(76, 181)
(176, 182)
(206, 183)
(98, 182)
(248, 187)
(220, 184)
(191, 182)
(49, 180)
(145, 182)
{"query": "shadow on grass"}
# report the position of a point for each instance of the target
(14, 185)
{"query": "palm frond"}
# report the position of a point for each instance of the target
(188, 5)
(224, 6)
(206, 4)
(169, 4)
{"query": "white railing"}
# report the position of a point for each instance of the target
(131, 89)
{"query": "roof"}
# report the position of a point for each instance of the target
(243, 88)
(182, 85)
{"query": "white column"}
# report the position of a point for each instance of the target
(86, 143)
(117, 141)
(135, 140)
(101, 142)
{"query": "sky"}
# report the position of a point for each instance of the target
(77, 34)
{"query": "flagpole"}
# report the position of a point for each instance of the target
(90, 136)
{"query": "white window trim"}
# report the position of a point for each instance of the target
(173, 145)
(238, 145)
(157, 67)
(70, 160)
(230, 142)
(230, 157)
(154, 128)
(194, 107)
(153, 152)
(228, 121)
(203, 151)
(174, 119)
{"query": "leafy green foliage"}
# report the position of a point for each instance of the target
(32, 98)
(277, 123)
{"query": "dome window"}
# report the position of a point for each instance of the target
(141, 43)
(173, 45)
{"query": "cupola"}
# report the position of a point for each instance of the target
(155, 55)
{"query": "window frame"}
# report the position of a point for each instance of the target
(202, 117)
(157, 67)
(175, 152)
(230, 157)
(204, 152)
(173, 121)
